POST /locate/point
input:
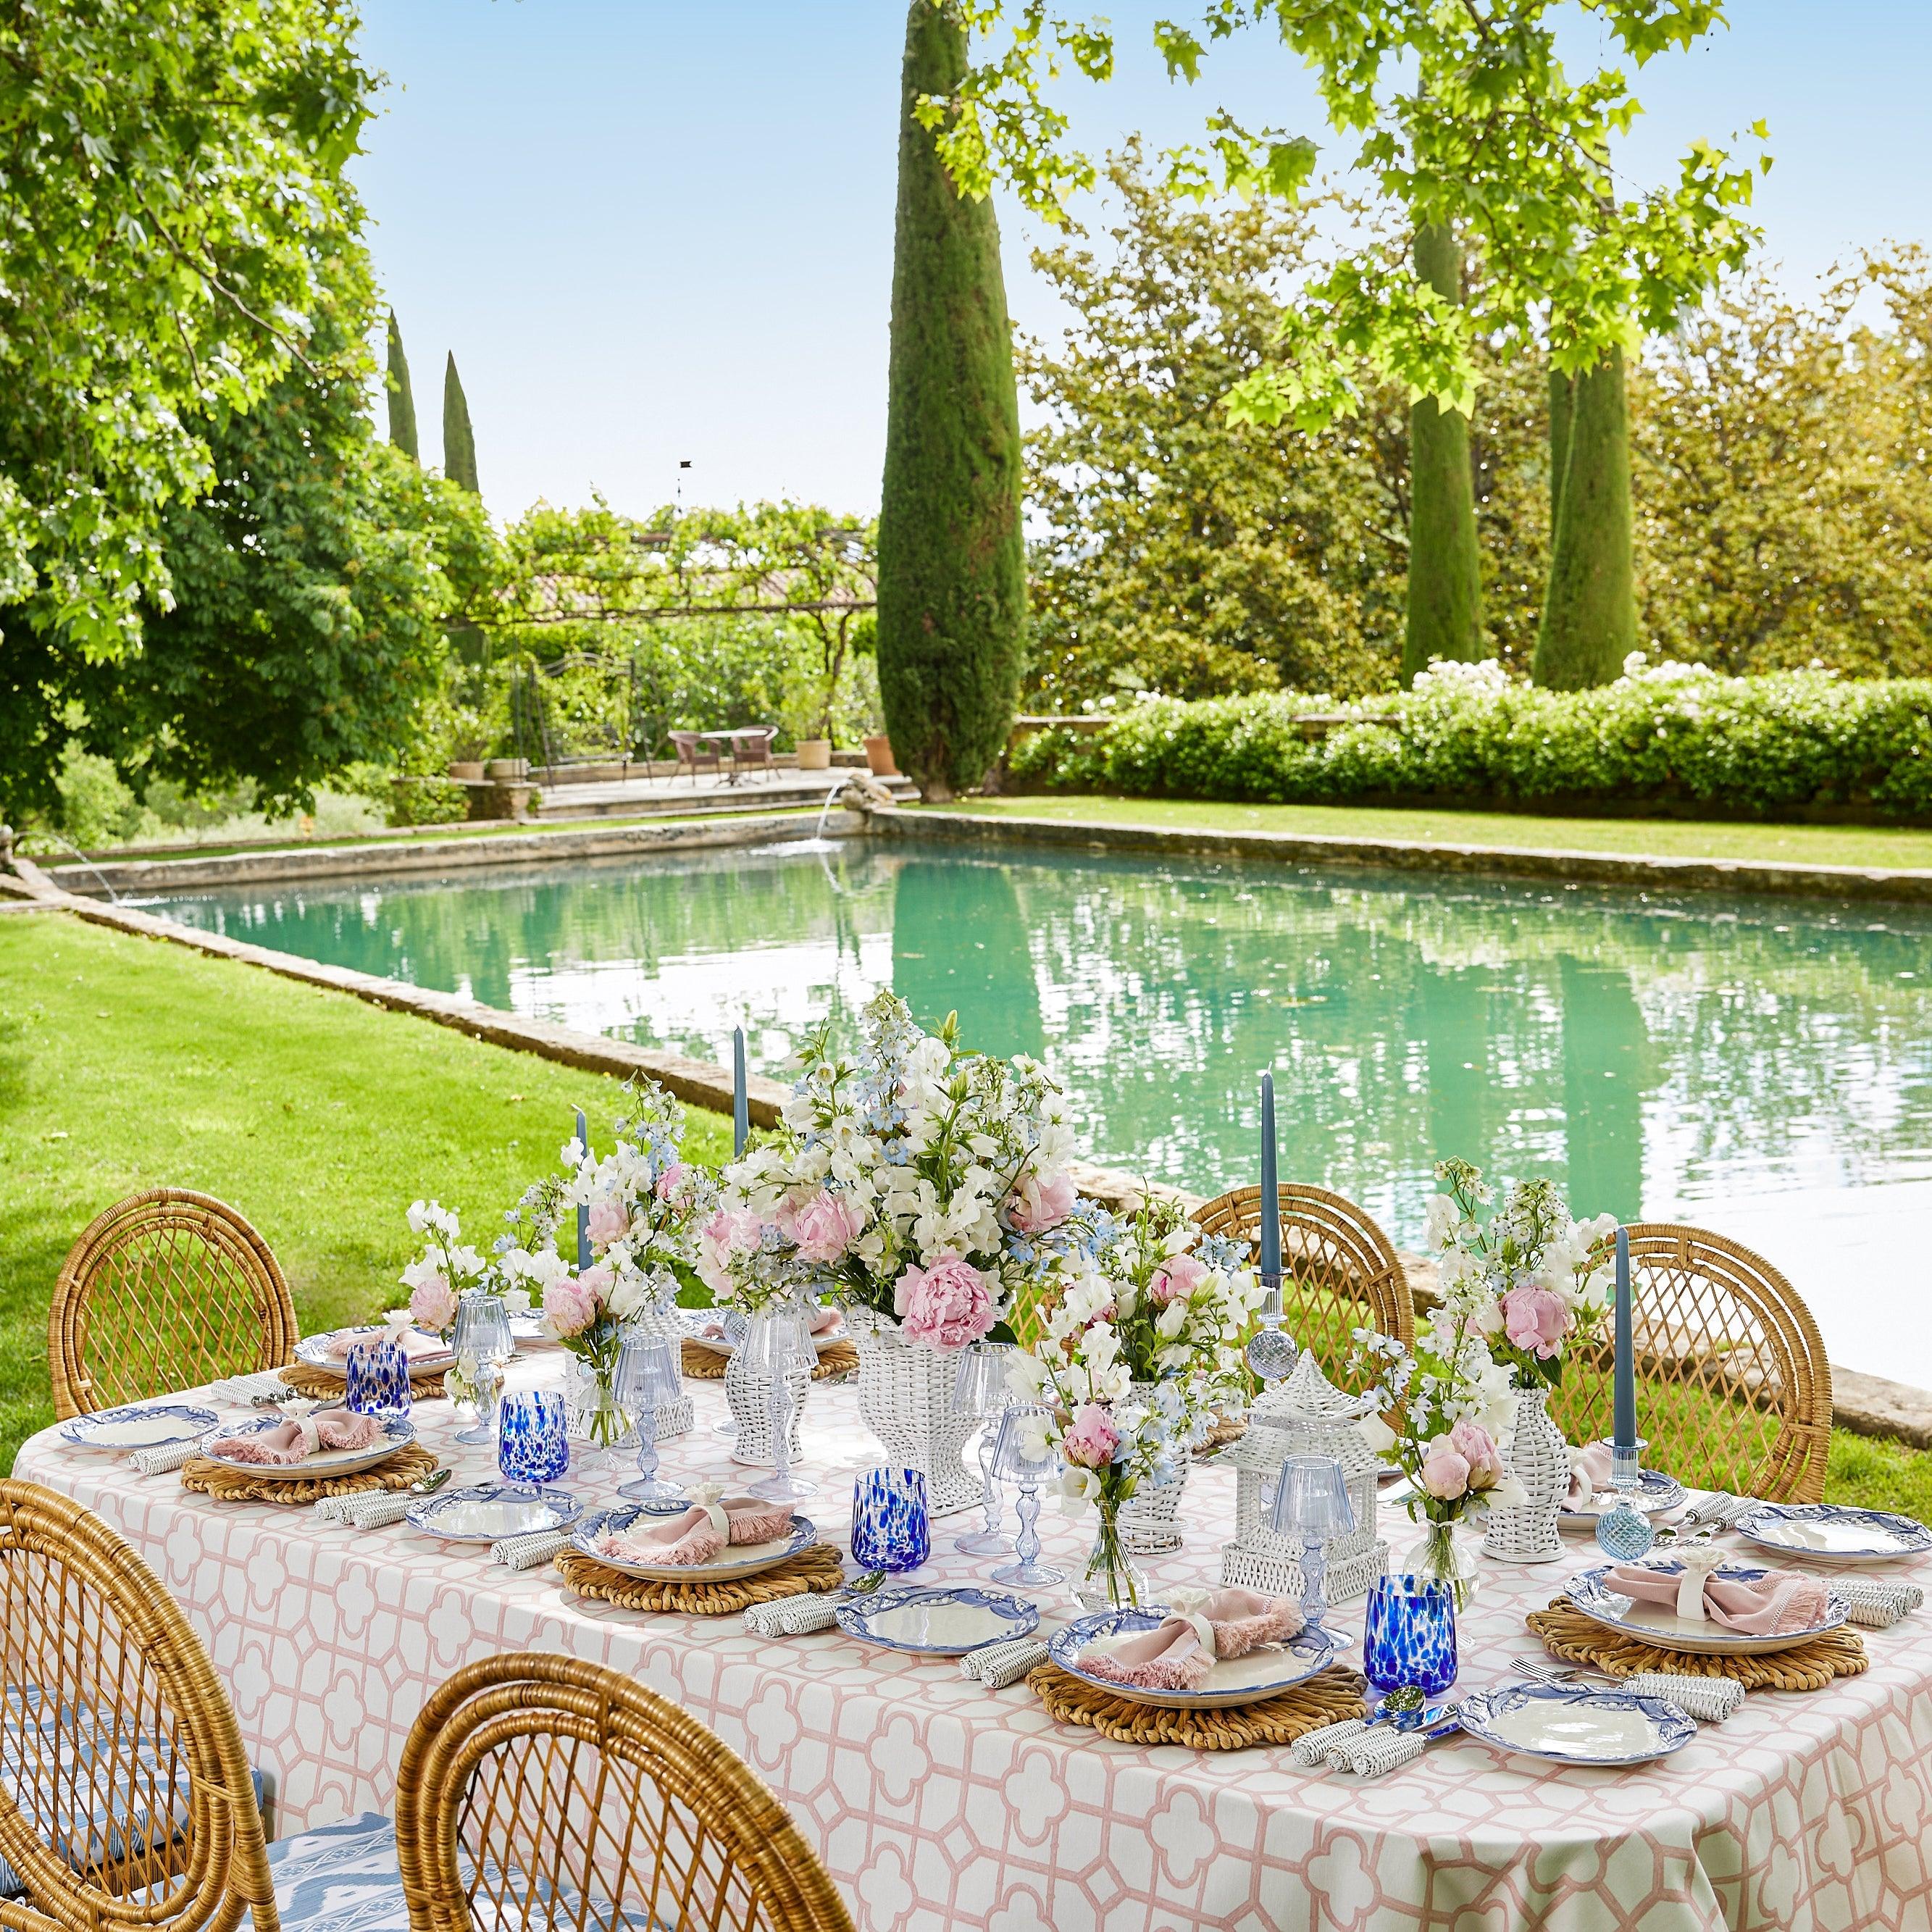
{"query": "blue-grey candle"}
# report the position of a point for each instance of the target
(741, 1103)
(583, 1213)
(1623, 1432)
(1270, 1188)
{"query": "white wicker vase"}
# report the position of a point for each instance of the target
(1150, 1518)
(1539, 1459)
(748, 1392)
(905, 1398)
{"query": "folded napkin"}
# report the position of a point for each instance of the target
(997, 1665)
(163, 1458)
(240, 1391)
(701, 1533)
(415, 1343)
(792, 1616)
(1200, 1628)
(1778, 1601)
(1589, 1471)
(372, 1510)
(301, 1435)
(1875, 1603)
(525, 1552)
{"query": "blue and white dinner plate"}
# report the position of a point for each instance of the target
(1567, 1725)
(737, 1559)
(1230, 1681)
(1833, 1532)
(1656, 1492)
(312, 1351)
(1660, 1623)
(140, 1425)
(939, 1622)
(486, 1512)
(398, 1431)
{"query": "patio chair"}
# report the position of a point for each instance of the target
(753, 752)
(1339, 1271)
(542, 1791)
(165, 1291)
(693, 756)
(1734, 1390)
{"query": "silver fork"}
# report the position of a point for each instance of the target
(1557, 1674)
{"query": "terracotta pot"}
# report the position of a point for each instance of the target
(507, 768)
(815, 754)
(466, 768)
(879, 759)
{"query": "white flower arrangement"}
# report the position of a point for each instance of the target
(445, 1269)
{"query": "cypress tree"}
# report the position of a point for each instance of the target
(952, 560)
(1445, 582)
(402, 398)
(459, 445)
(1589, 606)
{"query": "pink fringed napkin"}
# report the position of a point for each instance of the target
(414, 1343)
(299, 1437)
(1589, 1471)
(1202, 1629)
(700, 1533)
(1779, 1601)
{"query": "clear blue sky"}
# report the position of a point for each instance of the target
(653, 229)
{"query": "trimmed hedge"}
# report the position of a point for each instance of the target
(1760, 746)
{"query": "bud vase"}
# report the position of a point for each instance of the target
(594, 1417)
(748, 1392)
(1539, 1459)
(1150, 1517)
(1440, 1559)
(905, 1398)
(1111, 1580)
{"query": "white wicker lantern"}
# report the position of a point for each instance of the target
(1305, 1415)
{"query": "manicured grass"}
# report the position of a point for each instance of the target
(1631, 838)
(127, 1064)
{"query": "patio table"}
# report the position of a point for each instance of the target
(936, 1803)
(728, 742)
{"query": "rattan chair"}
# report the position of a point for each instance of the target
(165, 1291)
(125, 1798)
(1734, 1391)
(1339, 1271)
(537, 1790)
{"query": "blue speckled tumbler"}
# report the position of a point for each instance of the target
(1410, 1635)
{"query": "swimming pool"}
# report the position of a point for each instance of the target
(1762, 1066)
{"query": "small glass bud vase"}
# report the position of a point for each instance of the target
(1111, 1580)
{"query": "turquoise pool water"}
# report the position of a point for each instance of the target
(1761, 1066)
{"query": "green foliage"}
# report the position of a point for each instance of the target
(951, 634)
(402, 397)
(174, 199)
(1759, 744)
(427, 801)
(459, 442)
(1589, 608)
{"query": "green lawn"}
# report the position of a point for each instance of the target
(1635, 837)
(127, 1064)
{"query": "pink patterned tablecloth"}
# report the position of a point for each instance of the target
(936, 1803)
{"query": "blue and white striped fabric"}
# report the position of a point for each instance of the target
(341, 1878)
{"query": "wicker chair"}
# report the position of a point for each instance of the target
(125, 1798)
(537, 1790)
(1339, 1271)
(165, 1291)
(1734, 1391)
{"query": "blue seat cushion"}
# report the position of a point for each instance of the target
(340, 1878)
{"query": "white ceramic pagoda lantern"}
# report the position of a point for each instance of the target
(1304, 1414)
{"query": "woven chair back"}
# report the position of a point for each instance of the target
(1339, 1271)
(164, 1291)
(126, 1799)
(1734, 1391)
(541, 1791)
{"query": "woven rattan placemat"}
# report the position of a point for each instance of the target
(322, 1386)
(817, 1568)
(408, 1465)
(1567, 1633)
(707, 1365)
(1336, 1693)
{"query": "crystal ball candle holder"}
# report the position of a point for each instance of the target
(1409, 1638)
(1624, 1533)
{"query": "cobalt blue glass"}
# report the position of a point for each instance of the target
(890, 1527)
(532, 1448)
(1410, 1635)
(376, 1379)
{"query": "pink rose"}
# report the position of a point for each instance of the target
(945, 1306)
(572, 1305)
(1535, 1319)
(670, 1180)
(1091, 1438)
(433, 1303)
(608, 1221)
(1176, 1278)
(1445, 1475)
(1039, 1204)
(826, 1226)
(1477, 1447)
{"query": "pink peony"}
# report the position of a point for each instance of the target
(1445, 1475)
(1176, 1278)
(572, 1305)
(1040, 1205)
(670, 1180)
(608, 1221)
(433, 1303)
(1535, 1319)
(945, 1306)
(826, 1226)
(1091, 1438)
(1477, 1447)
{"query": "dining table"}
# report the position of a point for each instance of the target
(934, 1802)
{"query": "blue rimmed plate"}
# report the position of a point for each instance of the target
(1656, 1493)
(738, 1559)
(1236, 1680)
(938, 1622)
(487, 1512)
(1567, 1726)
(312, 1351)
(1833, 1532)
(1659, 1624)
(398, 1431)
(144, 1425)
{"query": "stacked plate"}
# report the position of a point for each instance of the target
(1833, 1532)
(138, 1425)
(313, 1352)
(397, 1433)
(937, 1622)
(1593, 1594)
(735, 1560)
(1233, 1681)
(1567, 1726)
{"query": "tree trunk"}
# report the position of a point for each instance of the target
(402, 398)
(1445, 593)
(1589, 607)
(951, 616)
(459, 444)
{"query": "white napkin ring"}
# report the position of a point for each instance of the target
(708, 1496)
(311, 1436)
(1698, 1564)
(1189, 1604)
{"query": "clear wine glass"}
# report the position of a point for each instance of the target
(981, 1388)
